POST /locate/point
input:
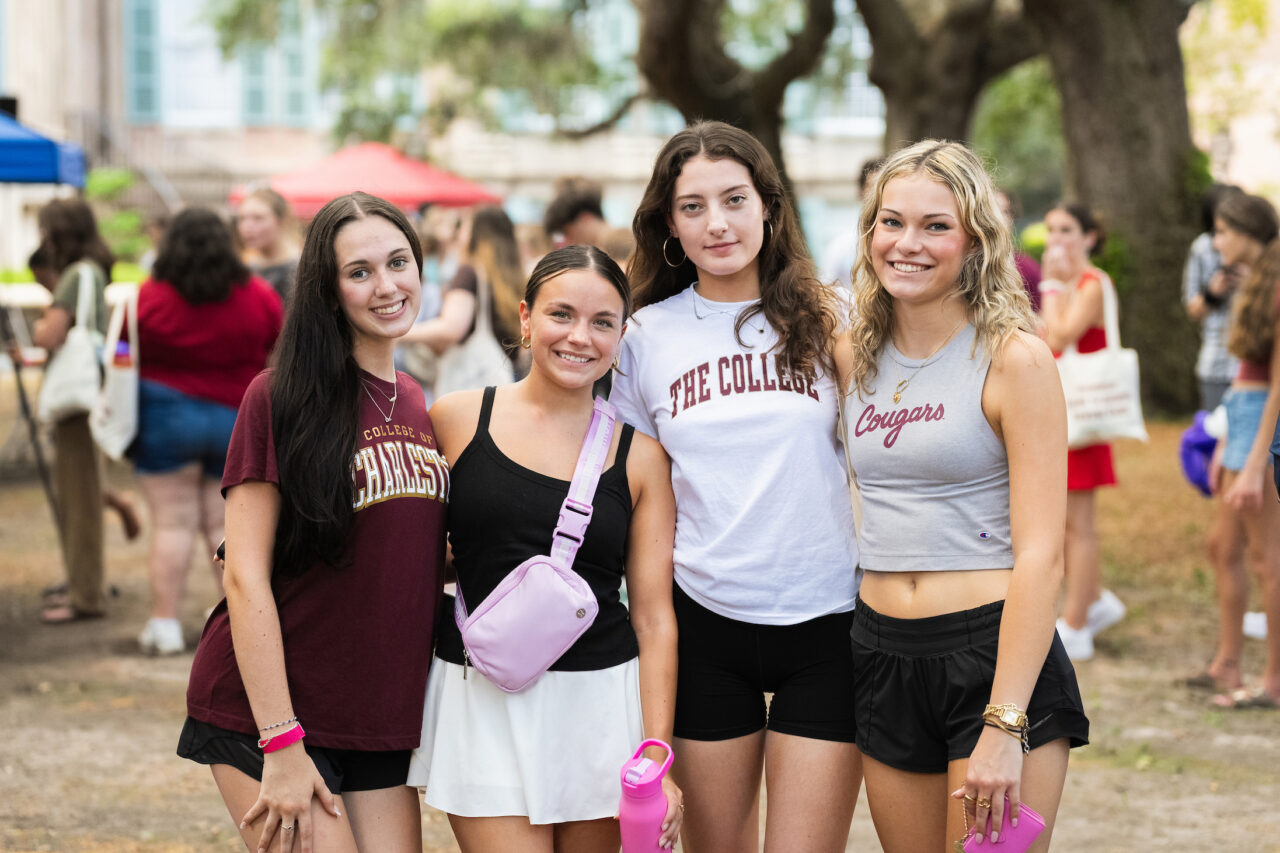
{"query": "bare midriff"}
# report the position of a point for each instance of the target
(917, 595)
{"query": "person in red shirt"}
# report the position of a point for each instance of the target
(206, 326)
(336, 493)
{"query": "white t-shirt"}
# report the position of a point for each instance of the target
(764, 530)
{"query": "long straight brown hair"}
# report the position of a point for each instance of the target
(792, 298)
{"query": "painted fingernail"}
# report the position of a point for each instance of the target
(666, 826)
(1013, 821)
(979, 838)
(995, 836)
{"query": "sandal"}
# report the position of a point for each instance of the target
(65, 614)
(1247, 698)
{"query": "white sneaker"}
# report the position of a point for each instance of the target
(1077, 641)
(1255, 625)
(161, 637)
(1105, 612)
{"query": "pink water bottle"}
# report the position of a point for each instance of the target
(643, 805)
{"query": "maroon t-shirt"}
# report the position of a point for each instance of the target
(211, 351)
(357, 640)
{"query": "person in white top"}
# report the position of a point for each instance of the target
(728, 363)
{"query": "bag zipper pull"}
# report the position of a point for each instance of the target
(466, 662)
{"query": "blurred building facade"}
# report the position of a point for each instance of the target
(143, 85)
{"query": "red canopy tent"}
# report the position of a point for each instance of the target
(378, 170)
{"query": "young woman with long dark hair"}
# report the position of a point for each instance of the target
(728, 362)
(1071, 293)
(335, 492)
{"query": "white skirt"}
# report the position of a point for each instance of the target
(552, 752)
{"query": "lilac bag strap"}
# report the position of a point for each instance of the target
(576, 511)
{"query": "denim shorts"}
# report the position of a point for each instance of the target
(175, 429)
(1244, 414)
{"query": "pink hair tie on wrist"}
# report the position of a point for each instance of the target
(288, 737)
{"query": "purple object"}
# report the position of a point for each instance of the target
(1196, 453)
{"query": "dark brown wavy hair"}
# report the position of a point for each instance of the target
(70, 234)
(198, 258)
(792, 298)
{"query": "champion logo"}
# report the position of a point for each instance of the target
(984, 535)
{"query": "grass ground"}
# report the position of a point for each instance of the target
(88, 726)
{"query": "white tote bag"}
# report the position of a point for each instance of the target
(72, 379)
(114, 419)
(479, 361)
(1102, 388)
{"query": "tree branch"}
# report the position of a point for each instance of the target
(604, 124)
(803, 52)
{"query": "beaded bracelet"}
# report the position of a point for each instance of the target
(279, 724)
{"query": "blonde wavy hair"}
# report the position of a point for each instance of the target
(989, 282)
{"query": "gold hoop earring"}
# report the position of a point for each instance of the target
(614, 366)
(668, 260)
(525, 342)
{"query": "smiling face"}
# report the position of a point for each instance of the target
(918, 246)
(718, 215)
(377, 280)
(574, 327)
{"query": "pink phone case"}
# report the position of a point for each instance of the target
(1013, 839)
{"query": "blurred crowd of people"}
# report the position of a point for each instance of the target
(367, 309)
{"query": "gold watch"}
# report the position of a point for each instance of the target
(1008, 716)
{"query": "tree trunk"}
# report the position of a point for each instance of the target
(932, 71)
(1118, 67)
(682, 57)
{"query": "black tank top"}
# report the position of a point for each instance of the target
(501, 514)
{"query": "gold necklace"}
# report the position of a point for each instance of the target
(903, 383)
(386, 416)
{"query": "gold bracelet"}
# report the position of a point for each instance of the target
(1007, 714)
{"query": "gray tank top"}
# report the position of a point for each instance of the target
(934, 477)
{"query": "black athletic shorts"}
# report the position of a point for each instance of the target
(727, 666)
(922, 685)
(343, 770)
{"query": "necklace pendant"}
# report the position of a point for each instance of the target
(897, 396)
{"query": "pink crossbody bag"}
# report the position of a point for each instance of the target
(543, 606)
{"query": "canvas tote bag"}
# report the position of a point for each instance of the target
(72, 379)
(1102, 388)
(114, 419)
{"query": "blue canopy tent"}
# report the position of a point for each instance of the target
(27, 157)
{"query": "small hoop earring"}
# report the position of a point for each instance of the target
(668, 260)
(770, 227)
(615, 363)
(525, 342)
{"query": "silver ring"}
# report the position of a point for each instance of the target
(287, 828)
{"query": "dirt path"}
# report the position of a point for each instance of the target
(88, 726)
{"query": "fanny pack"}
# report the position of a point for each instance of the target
(543, 606)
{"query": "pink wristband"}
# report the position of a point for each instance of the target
(280, 741)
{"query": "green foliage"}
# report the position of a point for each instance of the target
(1018, 125)
(107, 184)
(122, 227)
(1220, 42)
(1116, 260)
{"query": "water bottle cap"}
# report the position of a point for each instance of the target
(642, 776)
